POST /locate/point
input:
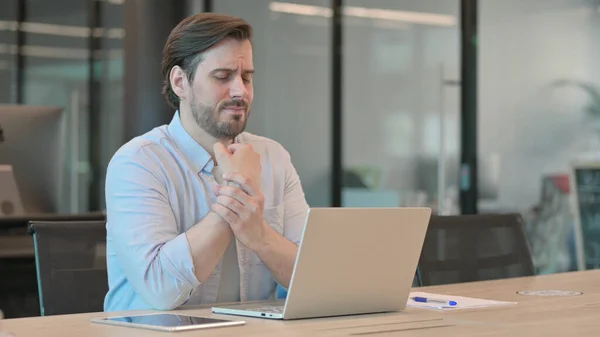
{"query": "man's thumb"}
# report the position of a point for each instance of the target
(220, 150)
(222, 154)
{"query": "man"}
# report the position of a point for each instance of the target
(199, 211)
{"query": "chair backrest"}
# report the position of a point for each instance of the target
(465, 248)
(71, 265)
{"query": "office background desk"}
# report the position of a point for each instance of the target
(533, 316)
(21, 221)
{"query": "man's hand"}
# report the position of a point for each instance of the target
(242, 207)
(240, 202)
(239, 158)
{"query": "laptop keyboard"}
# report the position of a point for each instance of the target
(270, 310)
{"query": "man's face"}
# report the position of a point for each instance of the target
(221, 93)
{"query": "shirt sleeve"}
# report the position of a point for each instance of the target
(295, 206)
(152, 253)
(295, 209)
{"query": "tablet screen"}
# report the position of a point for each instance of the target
(166, 320)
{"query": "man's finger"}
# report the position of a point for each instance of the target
(235, 193)
(238, 146)
(232, 204)
(244, 182)
(225, 213)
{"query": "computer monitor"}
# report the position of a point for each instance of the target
(32, 142)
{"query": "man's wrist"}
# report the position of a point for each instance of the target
(269, 238)
(218, 219)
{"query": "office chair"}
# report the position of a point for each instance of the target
(18, 287)
(19, 296)
(467, 248)
(70, 261)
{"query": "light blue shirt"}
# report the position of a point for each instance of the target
(158, 186)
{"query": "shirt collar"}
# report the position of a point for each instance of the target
(194, 152)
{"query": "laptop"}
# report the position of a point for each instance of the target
(350, 261)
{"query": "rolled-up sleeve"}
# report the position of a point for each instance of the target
(151, 250)
(295, 205)
(295, 209)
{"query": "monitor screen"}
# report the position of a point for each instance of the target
(33, 144)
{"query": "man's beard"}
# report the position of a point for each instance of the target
(209, 121)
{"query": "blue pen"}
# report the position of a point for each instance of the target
(432, 300)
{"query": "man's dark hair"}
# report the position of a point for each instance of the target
(190, 38)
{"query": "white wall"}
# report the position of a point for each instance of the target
(535, 127)
(393, 87)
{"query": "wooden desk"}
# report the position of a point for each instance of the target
(533, 316)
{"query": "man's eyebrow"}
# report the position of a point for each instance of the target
(231, 70)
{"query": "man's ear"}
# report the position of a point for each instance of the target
(179, 82)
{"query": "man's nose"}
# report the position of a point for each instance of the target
(238, 88)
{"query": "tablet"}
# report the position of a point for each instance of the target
(168, 322)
